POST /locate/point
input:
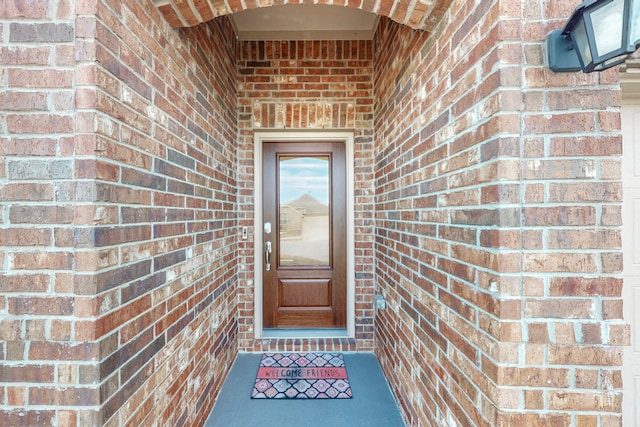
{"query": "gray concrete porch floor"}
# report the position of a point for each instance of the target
(372, 404)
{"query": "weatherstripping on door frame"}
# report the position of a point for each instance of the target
(261, 137)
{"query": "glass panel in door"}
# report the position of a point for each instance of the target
(304, 186)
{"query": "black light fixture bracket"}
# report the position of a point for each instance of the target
(600, 34)
(562, 54)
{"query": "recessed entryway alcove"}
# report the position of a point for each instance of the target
(486, 209)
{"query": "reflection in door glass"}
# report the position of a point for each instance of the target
(304, 210)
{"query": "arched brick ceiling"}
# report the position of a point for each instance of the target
(417, 14)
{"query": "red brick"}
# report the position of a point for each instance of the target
(538, 333)
(559, 123)
(564, 333)
(586, 146)
(533, 419)
(586, 378)
(62, 351)
(619, 335)
(23, 101)
(594, 192)
(533, 399)
(29, 146)
(612, 309)
(43, 78)
(35, 9)
(559, 216)
(558, 308)
(24, 283)
(25, 237)
(581, 286)
(586, 421)
(27, 374)
(41, 260)
(67, 417)
(28, 417)
(39, 124)
(60, 330)
(33, 305)
(611, 262)
(535, 377)
(36, 330)
(585, 355)
(591, 333)
(16, 396)
(122, 315)
(70, 396)
(585, 401)
(560, 262)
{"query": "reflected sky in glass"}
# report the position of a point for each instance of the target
(304, 175)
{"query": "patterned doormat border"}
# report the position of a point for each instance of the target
(302, 376)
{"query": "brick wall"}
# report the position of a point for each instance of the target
(319, 85)
(118, 225)
(497, 223)
(37, 125)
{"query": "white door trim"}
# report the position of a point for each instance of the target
(259, 138)
(631, 276)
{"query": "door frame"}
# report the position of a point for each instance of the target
(631, 99)
(259, 138)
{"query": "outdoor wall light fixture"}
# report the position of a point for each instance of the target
(600, 34)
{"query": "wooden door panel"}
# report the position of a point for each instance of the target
(310, 318)
(305, 293)
(306, 284)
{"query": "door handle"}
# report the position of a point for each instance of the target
(267, 255)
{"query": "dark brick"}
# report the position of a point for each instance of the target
(141, 179)
(197, 130)
(126, 391)
(164, 168)
(167, 260)
(139, 357)
(174, 215)
(204, 237)
(143, 286)
(180, 187)
(178, 158)
(26, 373)
(202, 305)
(117, 235)
(144, 215)
(178, 326)
(120, 276)
(166, 230)
(120, 70)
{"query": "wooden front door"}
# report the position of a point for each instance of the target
(304, 235)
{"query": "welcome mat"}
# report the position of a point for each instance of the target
(302, 376)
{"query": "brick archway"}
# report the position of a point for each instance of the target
(420, 14)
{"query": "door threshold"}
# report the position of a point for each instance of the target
(305, 333)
